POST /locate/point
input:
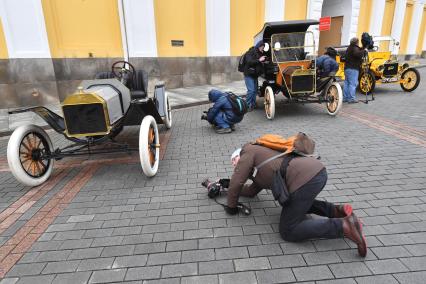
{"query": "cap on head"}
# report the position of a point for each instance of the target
(236, 153)
(259, 44)
(354, 40)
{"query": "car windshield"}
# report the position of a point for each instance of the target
(292, 47)
(385, 44)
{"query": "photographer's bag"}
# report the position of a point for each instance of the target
(239, 105)
(242, 62)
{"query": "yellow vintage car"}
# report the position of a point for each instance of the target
(381, 67)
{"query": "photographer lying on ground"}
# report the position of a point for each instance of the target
(301, 179)
(228, 110)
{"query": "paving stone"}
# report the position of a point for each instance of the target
(72, 278)
(275, 276)
(80, 218)
(386, 266)
(312, 273)
(130, 261)
(216, 267)
(265, 250)
(179, 270)
(102, 276)
(42, 279)
(256, 263)
(164, 258)
(61, 267)
(337, 281)
(85, 253)
(417, 250)
(231, 253)
(207, 279)
(238, 278)
(351, 269)
(213, 243)
(118, 250)
(284, 261)
(411, 277)
(150, 248)
(198, 255)
(181, 245)
(26, 269)
(390, 252)
(142, 273)
(95, 264)
(9, 280)
(379, 279)
(317, 258)
(294, 248)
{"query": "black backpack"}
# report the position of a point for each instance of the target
(239, 105)
(242, 62)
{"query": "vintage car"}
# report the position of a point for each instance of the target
(92, 117)
(291, 68)
(381, 67)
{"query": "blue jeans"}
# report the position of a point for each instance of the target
(220, 121)
(351, 82)
(294, 227)
(252, 86)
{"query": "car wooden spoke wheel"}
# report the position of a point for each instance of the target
(334, 96)
(269, 103)
(149, 146)
(28, 153)
(367, 82)
(410, 79)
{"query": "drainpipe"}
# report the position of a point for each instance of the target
(123, 29)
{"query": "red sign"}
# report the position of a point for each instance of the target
(324, 24)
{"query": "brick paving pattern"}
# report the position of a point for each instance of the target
(106, 222)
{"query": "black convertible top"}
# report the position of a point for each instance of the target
(271, 28)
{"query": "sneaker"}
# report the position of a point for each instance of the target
(223, 130)
(233, 127)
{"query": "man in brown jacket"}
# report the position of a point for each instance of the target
(305, 178)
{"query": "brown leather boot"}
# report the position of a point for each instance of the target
(342, 211)
(352, 229)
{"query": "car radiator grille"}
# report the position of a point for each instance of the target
(390, 70)
(84, 119)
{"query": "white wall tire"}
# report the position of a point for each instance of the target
(168, 111)
(334, 97)
(149, 146)
(269, 103)
(23, 148)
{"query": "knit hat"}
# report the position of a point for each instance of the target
(259, 44)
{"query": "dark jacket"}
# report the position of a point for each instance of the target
(300, 170)
(353, 58)
(222, 106)
(252, 66)
(326, 65)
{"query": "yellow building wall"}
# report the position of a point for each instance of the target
(295, 9)
(83, 28)
(387, 22)
(364, 16)
(247, 19)
(422, 32)
(406, 26)
(3, 47)
(181, 20)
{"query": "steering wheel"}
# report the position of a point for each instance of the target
(123, 70)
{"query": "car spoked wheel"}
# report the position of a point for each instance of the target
(367, 82)
(149, 146)
(334, 97)
(269, 103)
(168, 112)
(410, 79)
(28, 147)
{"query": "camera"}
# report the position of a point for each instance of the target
(213, 187)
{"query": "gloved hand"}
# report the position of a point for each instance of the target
(224, 182)
(230, 210)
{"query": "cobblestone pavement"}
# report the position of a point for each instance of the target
(106, 222)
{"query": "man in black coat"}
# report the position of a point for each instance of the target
(253, 59)
(353, 61)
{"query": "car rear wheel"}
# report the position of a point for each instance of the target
(149, 146)
(168, 112)
(367, 82)
(269, 103)
(411, 79)
(26, 151)
(334, 96)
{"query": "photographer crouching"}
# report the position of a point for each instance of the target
(228, 110)
(295, 180)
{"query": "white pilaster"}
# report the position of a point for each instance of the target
(274, 10)
(139, 19)
(377, 13)
(398, 19)
(218, 27)
(314, 13)
(415, 27)
(24, 28)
